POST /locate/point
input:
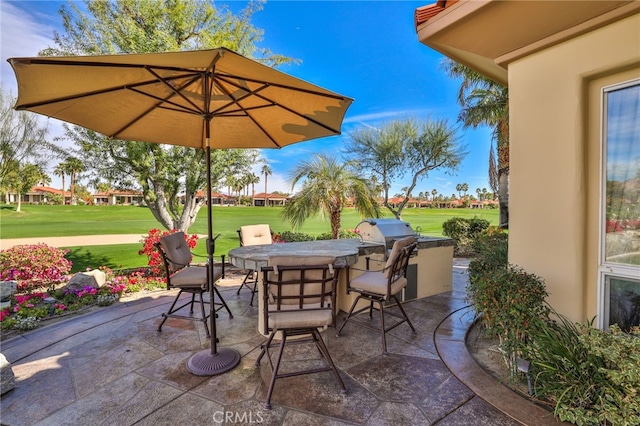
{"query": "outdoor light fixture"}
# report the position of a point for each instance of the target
(524, 366)
(50, 301)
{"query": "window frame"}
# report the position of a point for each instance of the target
(608, 269)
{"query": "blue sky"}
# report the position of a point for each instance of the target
(367, 50)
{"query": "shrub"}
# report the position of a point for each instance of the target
(464, 231)
(492, 252)
(511, 303)
(590, 375)
(34, 266)
(154, 259)
(344, 234)
(292, 237)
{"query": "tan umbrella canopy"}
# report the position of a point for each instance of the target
(202, 99)
(168, 98)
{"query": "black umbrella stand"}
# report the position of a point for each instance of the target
(214, 361)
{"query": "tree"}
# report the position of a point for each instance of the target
(485, 102)
(27, 177)
(327, 184)
(103, 187)
(22, 142)
(170, 177)
(380, 151)
(61, 171)
(254, 178)
(266, 171)
(74, 167)
(405, 146)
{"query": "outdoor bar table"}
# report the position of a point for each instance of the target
(346, 252)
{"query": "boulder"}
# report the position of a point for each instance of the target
(95, 278)
(7, 379)
(7, 289)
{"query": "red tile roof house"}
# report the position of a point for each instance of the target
(113, 198)
(41, 195)
(261, 199)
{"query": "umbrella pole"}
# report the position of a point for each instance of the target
(211, 362)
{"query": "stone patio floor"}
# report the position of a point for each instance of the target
(112, 367)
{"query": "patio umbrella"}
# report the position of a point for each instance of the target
(206, 99)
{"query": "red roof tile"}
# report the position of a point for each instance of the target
(424, 13)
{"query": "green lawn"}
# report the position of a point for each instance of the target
(50, 221)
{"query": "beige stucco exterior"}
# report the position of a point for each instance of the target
(555, 128)
(554, 100)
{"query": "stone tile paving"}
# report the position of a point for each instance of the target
(113, 367)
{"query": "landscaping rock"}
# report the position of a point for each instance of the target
(7, 379)
(95, 279)
(7, 289)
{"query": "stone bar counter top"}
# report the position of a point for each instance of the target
(432, 242)
(345, 251)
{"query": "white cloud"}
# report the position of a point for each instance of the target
(20, 35)
(24, 35)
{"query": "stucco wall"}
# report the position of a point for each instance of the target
(555, 158)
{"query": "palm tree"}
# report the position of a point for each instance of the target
(327, 185)
(231, 182)
(74, 167)
(61, 170)
(45, 179)
(254, 178)
(485, 102)
(459, 189)
(266, 171)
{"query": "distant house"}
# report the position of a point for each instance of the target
(218, 198)
(261, 199)
(113, 198)
(485, 204)
(42, 195)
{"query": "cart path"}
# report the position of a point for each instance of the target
(82, 240)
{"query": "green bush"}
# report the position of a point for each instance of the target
(492, 252)
(464, 231)
(292, 237)
(344, 234)
(590, 375)
(511, 303)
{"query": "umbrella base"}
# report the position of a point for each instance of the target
(204, 363)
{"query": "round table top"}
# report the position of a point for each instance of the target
(345, 251)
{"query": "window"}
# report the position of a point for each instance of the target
(620, 236)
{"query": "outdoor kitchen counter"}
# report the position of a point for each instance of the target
(432, 242)
(347, 252)
(429, 272)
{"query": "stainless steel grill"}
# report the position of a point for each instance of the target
(384, 231)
